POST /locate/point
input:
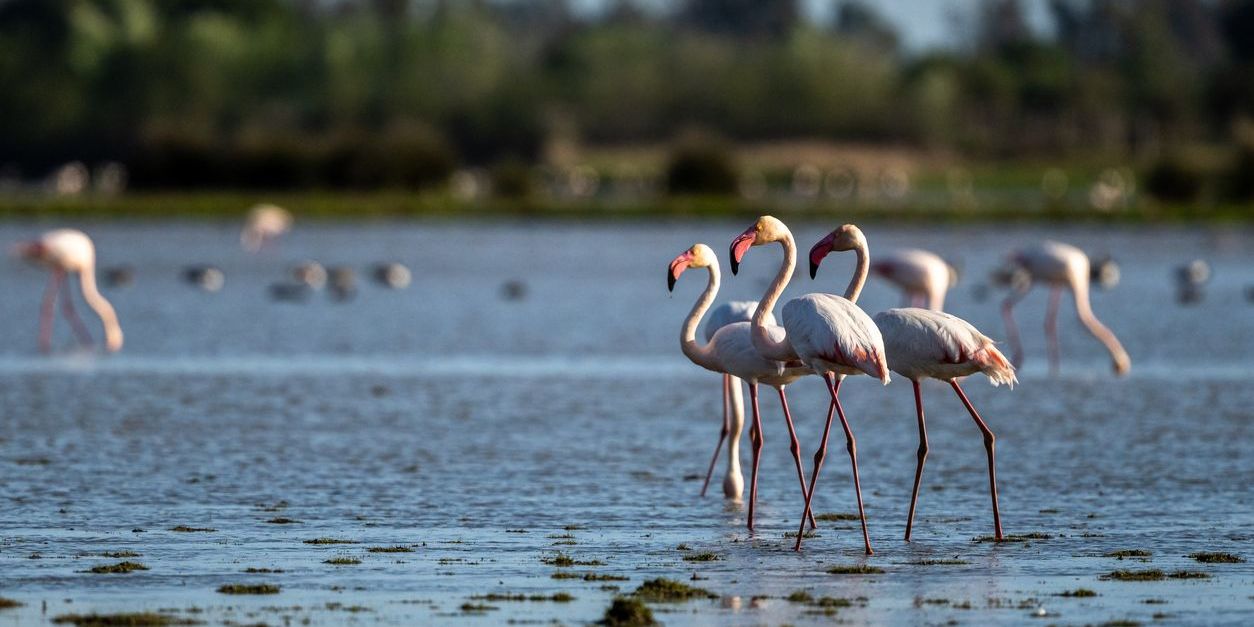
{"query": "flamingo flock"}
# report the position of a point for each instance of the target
(830, 336)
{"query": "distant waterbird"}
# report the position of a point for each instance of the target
(343, 282)
(1060, 266)
(922, 276)
(392, 275)
(207, 278)
(119, 276)
(290, 291)
(310, 273)
(263, 225)
(1105, 273)
(1191, 279)
(64, 252)
(514, 289)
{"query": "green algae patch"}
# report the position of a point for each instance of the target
(281, 520)
(627, 612)
(702, 557)
(835, 516)
(1078, 593)
(860, 569)
(186, 529)
(662, 590)
(939, 562)
(565, 575)
(125, 619)
(1207, 557)
(799, 596)
(263, 570)
(342, 561)
(120, 554)
(1128, 553)
(389, 549)
(7, 603)
(118, 568)
(1152, 574)
(248, 588)
(1187, 574)
(1015, 537)
(562, 560)
(477, 608)
(602, 577)
(330, 541)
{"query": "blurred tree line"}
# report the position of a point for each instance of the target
(369, 93)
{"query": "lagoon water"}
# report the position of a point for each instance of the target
(488, 435)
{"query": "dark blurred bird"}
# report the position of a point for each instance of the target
(290, 292)
(1191, 278)
(1104, 273)
(310, 273)
(392, 275)
(119, 276)
(514, 289)
(207, 278)
(343, 283)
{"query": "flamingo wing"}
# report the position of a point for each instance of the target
(833, 329)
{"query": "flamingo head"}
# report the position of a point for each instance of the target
(34, 250)
(765, 230)
(847, 237)
(699, 256)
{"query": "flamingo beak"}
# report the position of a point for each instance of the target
(677, 267)
(740, 246)
(25, 250)
(820, 251)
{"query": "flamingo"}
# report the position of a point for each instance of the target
(730, 351)
(829, 334)
(923, 277)
(66, 251)
(1061, 266)
(264, 224)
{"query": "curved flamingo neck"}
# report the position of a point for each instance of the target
(1083, 309)
(700, 354)
(98, 303)
(860, 272)
(767, 346)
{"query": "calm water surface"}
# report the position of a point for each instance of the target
(489, 434)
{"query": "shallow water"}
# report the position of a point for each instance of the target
(489, 434)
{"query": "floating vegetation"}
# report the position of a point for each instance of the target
(186, 529)
(119, 554)
(627, 612)
(281, 520)
(683, 547)
(810, 533)
(702, 557)
(336, 606)
(342, 561)
(1122, 622)
(1207, 557)
(573, 527)
(799, 596)
(330, 541)
(389, 549)
(835, 602)
(561, 560)
(7, 603)
(834, 516)
(477, 608)
(1015, 537)
(263, 570)
(602, 577)
(1155, 601)
(565, 575)
(127, 619)
(669, 590)
(496, 597)
(860, 569)
(118, 568)
(1078, 593)
(939, 562)
(1128, 553)
(248, 588)
(1152, 574)
(1188, 574)
(515, 531)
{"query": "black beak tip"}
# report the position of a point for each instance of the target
(814, 270)
(670, 281)
(735, 266)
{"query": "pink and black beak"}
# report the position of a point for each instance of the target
(820, 251)
(27, 250)
(740, 246)
(677, 267)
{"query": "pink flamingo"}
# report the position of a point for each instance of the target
(264, 223)
(923, 277)
(829, 334)
(64, 251)
(931, 344)
(1061, 266)
(730, 351)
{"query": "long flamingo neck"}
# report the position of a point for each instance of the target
(762, 340)
(859, 273)
(699, 354)
(1083, 309)
(98, 303)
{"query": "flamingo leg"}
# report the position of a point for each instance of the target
(989, 444)
(1012, 330)
(723, 433)
(46, 312)
(833, 388)
(1051, 329)
(795, 447)
(918, 472)
(76, 323)
(757, 450)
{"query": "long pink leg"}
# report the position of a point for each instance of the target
(918, 472)
(795, 447)
(833, 388)
(1012, 330)
(723, 433)
(76, 323)
(757, 451)
(1051, 329)
(46, 313)
(989, 443)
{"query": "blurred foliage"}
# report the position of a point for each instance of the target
(1174, 179)
(392, 93)
(701, 164)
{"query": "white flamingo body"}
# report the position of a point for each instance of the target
(925, 344)
(63, 252)
(923, 276)
(729, 312)
(1060, 266)
(831, 334)
(264, 224)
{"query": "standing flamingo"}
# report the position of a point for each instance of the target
(923, 277)
(264, 224)
(829, 334)
(1061, 266)
(64, 251)
(733, 400)
(730, 351)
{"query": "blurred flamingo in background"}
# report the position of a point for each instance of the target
(827, 333)
(923, 277)
(730, 351)
(1060, 266)
(264, 224)
(66, 251)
